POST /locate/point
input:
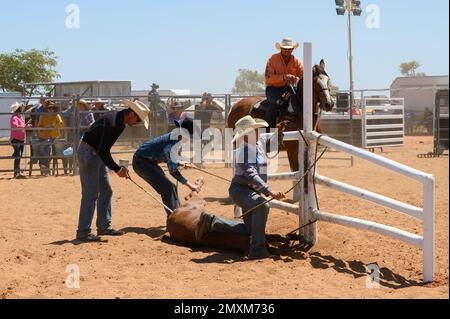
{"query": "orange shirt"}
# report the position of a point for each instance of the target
(276, 69)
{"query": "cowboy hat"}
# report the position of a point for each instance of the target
(246, 125)
(100, 101)
(176, 106)
(141, 110)
(287, 44)
(15, 107)
(50, 105)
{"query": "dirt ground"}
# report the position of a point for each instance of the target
(38, 220)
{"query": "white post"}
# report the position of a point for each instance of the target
(364, 121)
(428, 229)
(307, 88)
(303, 203)
(308, 204)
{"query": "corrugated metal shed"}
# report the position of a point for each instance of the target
(419, 92)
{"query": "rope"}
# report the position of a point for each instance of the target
(149, 194)
(206, 172)
(315, 190)
(291, 189)
(301, 227)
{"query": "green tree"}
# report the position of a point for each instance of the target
(409, 69)
(249, 82)
(334, 89)
(34, 66)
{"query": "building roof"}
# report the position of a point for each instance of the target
(77, 82)
(172, 92)
(440, 81)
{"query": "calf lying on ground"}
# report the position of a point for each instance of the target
(181, 226)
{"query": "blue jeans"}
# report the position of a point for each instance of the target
(95, 189)
(43, 153)
(154, 175)
(18, 151)
(254, 223)
(273, 94)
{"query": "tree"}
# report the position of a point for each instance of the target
(409, 69)
(334, 89)
(34, 66)
(249, 82)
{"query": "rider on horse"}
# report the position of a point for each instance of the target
(282, 70)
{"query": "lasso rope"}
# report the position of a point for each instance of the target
(293, 187)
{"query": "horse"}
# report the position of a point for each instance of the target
(291, 109)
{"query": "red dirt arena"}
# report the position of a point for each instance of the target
(39, 219)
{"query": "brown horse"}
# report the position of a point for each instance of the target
(291, 110)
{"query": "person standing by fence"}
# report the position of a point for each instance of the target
(18, 136)
(85, 118)
(204, 111)
(50, 125)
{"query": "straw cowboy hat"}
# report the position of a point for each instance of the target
(287, 44)
(141, 110)
(15, 107)
(84, 102)
(246, 125)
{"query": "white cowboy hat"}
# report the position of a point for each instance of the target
(141, 110)
(287, 44)
(100, 101)
(246, 125)
(15, 107)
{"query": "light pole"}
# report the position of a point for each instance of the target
(350, 7)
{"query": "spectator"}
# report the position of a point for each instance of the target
(100, 108)
(204, 111)
(18, 136)
(68, 117)
(40, 108)
(176, 112)
(409, 121)
(85, 117)
(428, 120)
(50, 124)
(356, 111)
(153, 96)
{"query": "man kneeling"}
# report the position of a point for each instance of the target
(249, 182)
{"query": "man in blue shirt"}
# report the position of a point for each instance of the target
(160, 150)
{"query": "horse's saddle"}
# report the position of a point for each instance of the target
(262, 106)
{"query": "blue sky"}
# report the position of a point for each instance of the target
(201, 44)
